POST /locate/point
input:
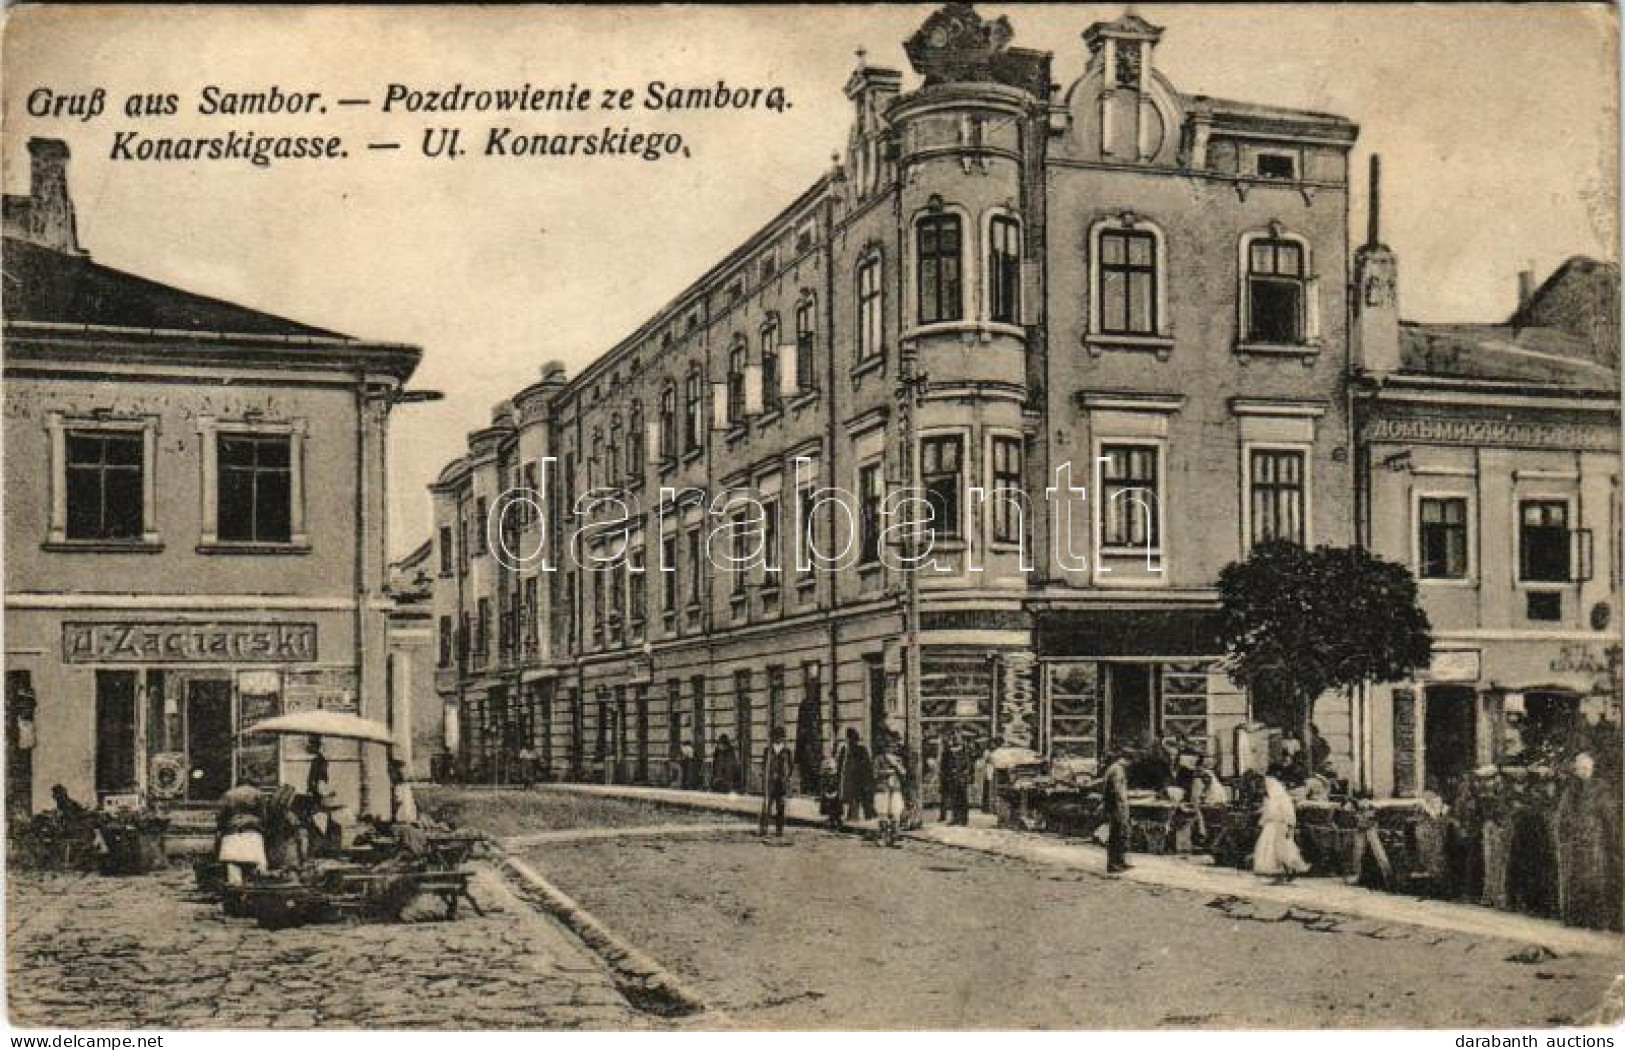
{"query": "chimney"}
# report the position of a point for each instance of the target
(1526, 287)
(1373, 232)
(50, 209)
(1378, 349)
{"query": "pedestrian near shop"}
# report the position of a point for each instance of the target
(891, 778)
(954, 771)
(857, 777)
(725, 767)
(242, 838)
(1276, 852)
(829, 789)
(1115, 790)
(777, 765)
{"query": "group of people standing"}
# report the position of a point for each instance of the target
(851, 781)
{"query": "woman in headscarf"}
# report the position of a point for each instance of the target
(1276, 853)
(281, 831)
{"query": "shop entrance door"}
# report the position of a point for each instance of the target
(208, 738)
(1449, 736)
(1128, 689)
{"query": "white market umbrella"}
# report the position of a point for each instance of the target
(323, 723)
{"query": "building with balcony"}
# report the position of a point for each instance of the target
(171, 575)
(1004, 293)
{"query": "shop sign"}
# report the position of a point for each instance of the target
(1603, 664)
(1454, 665)
(188, 643)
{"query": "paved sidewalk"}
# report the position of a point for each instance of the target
(1188, 873)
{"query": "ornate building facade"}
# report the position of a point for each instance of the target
(1004, 293)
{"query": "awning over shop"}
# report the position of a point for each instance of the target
(1129, 632)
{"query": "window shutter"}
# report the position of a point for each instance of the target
(651, 442)
(753, 390)
(788, 369)
(719, 406)
(1311, 309)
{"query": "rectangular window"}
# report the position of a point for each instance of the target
(668, 423)
(105, 485)
(1184, 704)
(696, 566)
(942, 476)
(806, 336)
(770, 543)
(1544, 605)
(446, 553)
(775, 696)
(476, 527)
(1128, 282)
(740, 536)
(446, 641)
(1277, 166)
(937, 255)
(1277, 498)
(694, 411)
(638, 584)
(1543, 541)
(532, 615)
(804, 532)
(1129, 495)
(255, 488)
(668, 574)
(869, 310)
(482, 626)
(1275, 294)
(736, 384)
(1007, 489)
(1004, 270)
(770, 368)
(1442, 543)
(870, 494)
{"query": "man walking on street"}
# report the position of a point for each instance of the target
(1115, 784)
(777, 764)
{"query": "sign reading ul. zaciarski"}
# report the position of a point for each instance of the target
(187, 643)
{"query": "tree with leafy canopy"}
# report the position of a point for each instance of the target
(1299, 623)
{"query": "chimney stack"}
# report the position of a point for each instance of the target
(1526, 287)
(50, 222)
(1378, 346)
(1373, 233)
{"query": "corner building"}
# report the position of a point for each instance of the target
(1115, 286)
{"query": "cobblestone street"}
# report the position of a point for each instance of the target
(92, 952)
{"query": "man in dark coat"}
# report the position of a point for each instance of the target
(725, 778)
(856, 773)
(1115, 788)
(776, 769)
(954, 769)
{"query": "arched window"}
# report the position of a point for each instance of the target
(937, 240)
(1004, 269)
(770, 365)
(870, 319)
(668, 422)
(736, 381)
(693, 409)
(806, 338)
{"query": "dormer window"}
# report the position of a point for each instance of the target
(1276, 166)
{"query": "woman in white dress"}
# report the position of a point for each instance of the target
(242, 839)
(1276, 853)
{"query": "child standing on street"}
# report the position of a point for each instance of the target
(890, 775)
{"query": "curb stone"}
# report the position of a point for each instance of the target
(647, 985)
